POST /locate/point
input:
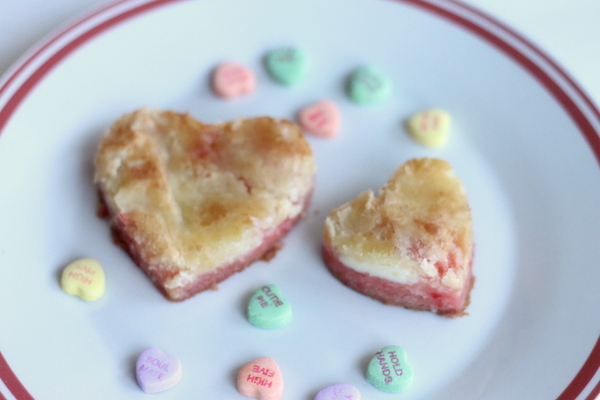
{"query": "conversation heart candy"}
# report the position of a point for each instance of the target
(268, 308)
(84, 278)
(157, 371)
(321, 118)
(232, 80)
(261, 379)
(368, 86)
(340, 391)
(429, 127)
(287, 66)
(389, 371)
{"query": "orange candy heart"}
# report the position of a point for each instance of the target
(261, 379)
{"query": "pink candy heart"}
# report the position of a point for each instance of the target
(232, 80)
(340, 391)
(157, 371)
(261, 379)
(321, 118)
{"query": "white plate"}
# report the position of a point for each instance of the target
(524, 141)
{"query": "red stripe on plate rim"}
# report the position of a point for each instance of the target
(515, 35)
(53, 40)
(584, 376)
(594, 393)
(23, 90)
(591, 365)
(12, 382)
(577, 115)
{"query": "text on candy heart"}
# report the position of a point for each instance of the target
(271, 295)
(385, 369)
(261, 380)
(154, 367)
(83, 274)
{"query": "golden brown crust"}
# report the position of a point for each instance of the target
(418, 228)
(196, 196)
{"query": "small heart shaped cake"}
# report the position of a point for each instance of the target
(411, 244)
(194, 203)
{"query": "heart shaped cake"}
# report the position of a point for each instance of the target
(411, 244)
(194, 203)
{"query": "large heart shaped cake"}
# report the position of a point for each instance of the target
(409, 245)
(194, 203)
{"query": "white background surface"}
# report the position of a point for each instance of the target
(566, 29)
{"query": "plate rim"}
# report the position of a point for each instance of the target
(26, 73)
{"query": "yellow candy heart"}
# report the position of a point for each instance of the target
(84, 278)
(429, 127)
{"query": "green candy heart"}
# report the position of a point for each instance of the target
(389, 370)
(268, 309)
(287, 66)
(368, 86)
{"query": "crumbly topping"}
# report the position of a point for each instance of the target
(417, 227)
(198, 196)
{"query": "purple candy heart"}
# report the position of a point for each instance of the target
(340, 391)
(157, 371)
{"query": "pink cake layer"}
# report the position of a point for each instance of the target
(271, 242)
(423, 295)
